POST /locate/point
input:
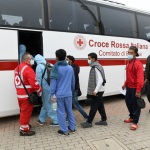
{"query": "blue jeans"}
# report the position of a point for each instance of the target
(77, 105)
(47, 110)
(64, 106)
(131, 102)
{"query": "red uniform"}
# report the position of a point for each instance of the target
(29, 79)
(135, 75)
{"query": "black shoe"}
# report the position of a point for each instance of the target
(27, 133)
(104, 123)
(40, 123)
(86, 125)
(30, 126)
(71, 131)
(62, 133)
(53, 124)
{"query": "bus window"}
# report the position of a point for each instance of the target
(22, 13)
(2, 21)
(60, 14)
(144, 26)
(73, 16)
(86, 18)
(118, 22)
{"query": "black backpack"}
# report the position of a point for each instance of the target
(48, 68)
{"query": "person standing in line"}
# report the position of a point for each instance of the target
(96, 87)
(76, 69)
(147, 78)
(62, 85)
(46, 110)
(26, 73)
(133, 84)
(22, 50)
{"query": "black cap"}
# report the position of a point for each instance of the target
(135, 50)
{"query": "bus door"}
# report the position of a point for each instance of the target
(32, 40)
(8, 62)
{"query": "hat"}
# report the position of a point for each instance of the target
(135, 50)
(22, 48)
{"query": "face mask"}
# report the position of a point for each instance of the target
(89, 62)
(31, 62)
(67, 61)
(130, 57)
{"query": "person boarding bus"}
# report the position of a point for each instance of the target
(26, 73)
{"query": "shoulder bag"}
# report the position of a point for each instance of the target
(33, 97)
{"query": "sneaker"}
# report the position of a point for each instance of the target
(86, 125)
(53, 124)
(62, 133)
(40, 123)
(85, 120)
(133, 127)
(104, 123)
(129, 120)
(27, 133)
(71, 131)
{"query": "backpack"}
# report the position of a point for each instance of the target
(48, 68)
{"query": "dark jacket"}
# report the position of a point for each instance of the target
(147, 69)
(76, 74)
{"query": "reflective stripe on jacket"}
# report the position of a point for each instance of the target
(29, 79)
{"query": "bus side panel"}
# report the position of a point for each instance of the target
(53, 41)
(111, 51)
(8, 61)
(114, 79)
(8, 97)
(8, 45)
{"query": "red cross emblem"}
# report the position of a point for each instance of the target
(80, 42)
(17, 80)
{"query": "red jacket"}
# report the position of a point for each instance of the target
(29, 79)
(134, 75)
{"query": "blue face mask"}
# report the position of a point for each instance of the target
(130, 57)
(89, 62)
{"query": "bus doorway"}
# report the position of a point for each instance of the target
(33, 42)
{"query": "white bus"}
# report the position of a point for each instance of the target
(79, 27)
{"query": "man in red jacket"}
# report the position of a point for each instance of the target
(29, 79)
(133, 84)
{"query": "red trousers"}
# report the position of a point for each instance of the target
(25, 111)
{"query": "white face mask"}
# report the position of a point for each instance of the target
(67, 61)
(130, 57)
(89, 62)
(31, 62)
